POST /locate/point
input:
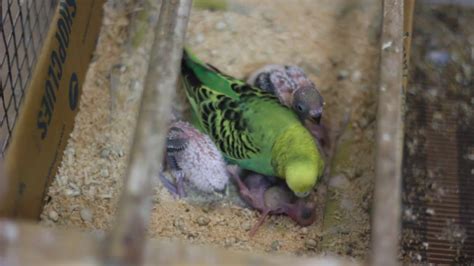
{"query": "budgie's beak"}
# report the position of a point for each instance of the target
(302, 194)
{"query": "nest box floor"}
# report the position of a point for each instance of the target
(335, 42)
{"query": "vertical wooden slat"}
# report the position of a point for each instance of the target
(386, 219)
(408, 10)
(127, 239)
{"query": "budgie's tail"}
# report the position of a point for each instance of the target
(190, 63)
(199, 73)
(190, 58)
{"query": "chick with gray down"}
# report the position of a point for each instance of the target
(295, 90)
(292, 87)
(192, 157)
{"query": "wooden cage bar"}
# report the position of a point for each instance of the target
(126, 244)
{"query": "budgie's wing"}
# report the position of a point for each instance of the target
(221, 117)
(201, 73)
(219, 102)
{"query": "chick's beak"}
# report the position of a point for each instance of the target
(316, 115)
(317, 119)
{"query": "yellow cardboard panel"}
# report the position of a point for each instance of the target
(47, 115)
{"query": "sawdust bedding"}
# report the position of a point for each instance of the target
(335, 42)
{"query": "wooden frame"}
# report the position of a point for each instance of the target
(126, 242)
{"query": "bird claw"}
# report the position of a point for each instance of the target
(179, 175)
(177, 190)
(243, 189)
(222, 193)
(260, 222)
(168, 185)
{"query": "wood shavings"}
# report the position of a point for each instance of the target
(238, 41)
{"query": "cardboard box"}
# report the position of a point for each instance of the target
(47, 116)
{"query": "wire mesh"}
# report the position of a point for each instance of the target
(438, 222)
(24, 25)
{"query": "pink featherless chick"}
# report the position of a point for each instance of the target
(271, 197)
(191, 156)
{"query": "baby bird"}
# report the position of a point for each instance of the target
(273, 197)
(192, 155)
(295, 90)
(292, 87)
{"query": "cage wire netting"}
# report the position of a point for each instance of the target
(24, 25)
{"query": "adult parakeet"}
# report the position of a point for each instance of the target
(250, 126)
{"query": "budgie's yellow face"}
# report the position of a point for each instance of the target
(301, 177)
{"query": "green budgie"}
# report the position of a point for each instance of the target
(250, 126)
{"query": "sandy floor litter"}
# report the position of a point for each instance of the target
(335, 42)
